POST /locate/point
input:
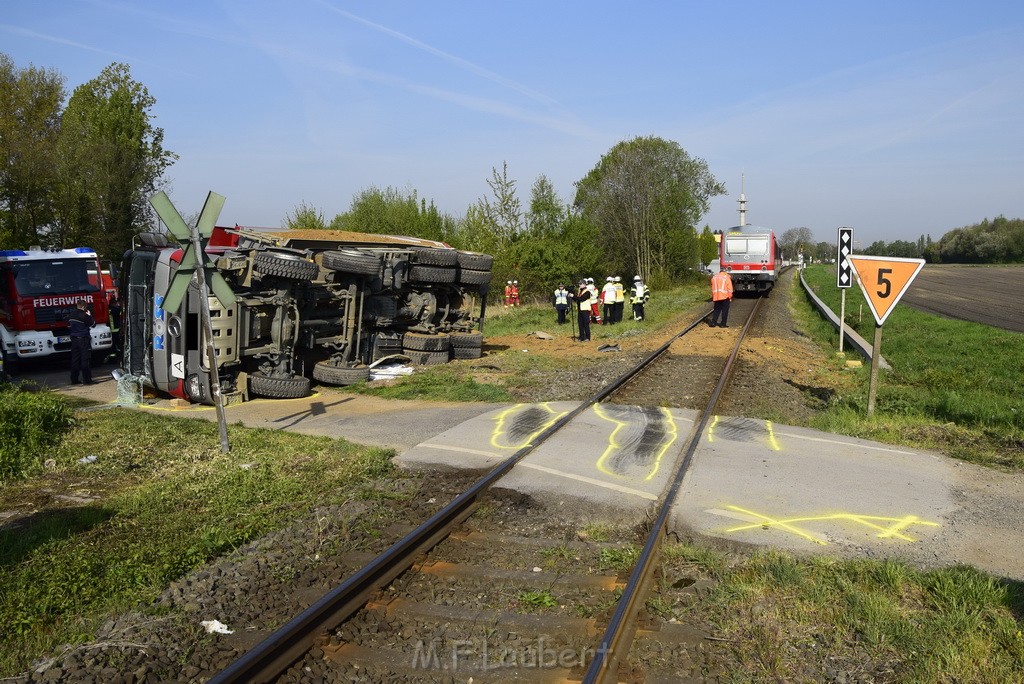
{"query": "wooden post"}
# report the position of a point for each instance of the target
(876, 353)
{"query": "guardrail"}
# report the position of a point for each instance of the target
(855, 340)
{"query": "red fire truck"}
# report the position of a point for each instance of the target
(38, 290)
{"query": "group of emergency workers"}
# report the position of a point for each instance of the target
(589, 302)
(511, 293)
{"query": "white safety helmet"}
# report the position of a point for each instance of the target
(515, 282)
(637, 278)
(509, 282)
(618, 279)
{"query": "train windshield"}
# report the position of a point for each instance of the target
(747, 245)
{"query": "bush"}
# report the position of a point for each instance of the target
(30, 422)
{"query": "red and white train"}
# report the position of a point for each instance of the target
(751, 256)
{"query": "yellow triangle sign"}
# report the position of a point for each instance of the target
(883, 280)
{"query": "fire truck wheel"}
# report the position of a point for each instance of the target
(351, 261)
(279, 388)
(420, 342)
(330, 374)
(427, 358)
(469, 277)
(466, 352)
(436, 256)
(475, 261)
(432, 274)
(290, 266)
(467, 340)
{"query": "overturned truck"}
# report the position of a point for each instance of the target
(309, 305)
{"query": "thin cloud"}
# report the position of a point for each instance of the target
(448, 57)
(27, 33)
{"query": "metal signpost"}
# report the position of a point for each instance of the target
(844, 277)
(883, 280)
(195, 261)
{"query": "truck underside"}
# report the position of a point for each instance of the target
(309, 305)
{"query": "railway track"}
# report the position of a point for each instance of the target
(466, 597)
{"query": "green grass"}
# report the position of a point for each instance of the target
(955, 385)
(169, 501)
(788, 619)
(451, 382)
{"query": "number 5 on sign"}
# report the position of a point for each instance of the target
(883, 280)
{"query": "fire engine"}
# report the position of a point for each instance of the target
(304, 305)
(38, 290)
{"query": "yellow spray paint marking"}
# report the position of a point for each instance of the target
(614, 447)
(887, 527)
(499, 431)
(711, 429)
(771, 436)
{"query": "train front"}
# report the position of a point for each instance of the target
(751, 257)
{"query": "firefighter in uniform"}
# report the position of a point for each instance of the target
(638, 297)
(595, 301)
(80, 323)
(561, 299)
(608, 299)
(515, 293)
(721, 295)
(620, 299)
(508, 294)
(584, 299)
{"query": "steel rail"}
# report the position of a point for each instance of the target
(618, 636)
(272, 656)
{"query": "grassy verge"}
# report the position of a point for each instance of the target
(784, 619)
(158, 501)
(955, 385)
(505, 374)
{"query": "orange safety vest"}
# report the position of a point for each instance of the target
(721, 286)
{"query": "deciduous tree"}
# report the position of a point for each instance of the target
(645, 196)
(30, 106)
(110, 161)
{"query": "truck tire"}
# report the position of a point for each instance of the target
(466, 340)
(427, 358)
(470, 277)
(432, 274)
(466, 352)
(331, 374)
(279, 388)
(421, 342)
(436, 256)
(351, 261)
(284, 265)
(475, 261)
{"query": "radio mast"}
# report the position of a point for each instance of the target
(743, 203)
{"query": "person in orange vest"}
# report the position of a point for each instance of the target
(515, 293)
(721, 295)
(508, 294)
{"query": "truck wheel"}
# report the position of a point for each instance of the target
(279, 388)
(466, 352)
(351, 261)
(467, 340)
(475, 261)
(421, 342)
(431, 274)
(470, 277)
(427, 358)
(436, 256)
(330, 374)
(282, 265)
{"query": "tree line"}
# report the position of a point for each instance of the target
(634, 213)
(80, 173)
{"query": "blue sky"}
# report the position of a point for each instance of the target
(896, 118)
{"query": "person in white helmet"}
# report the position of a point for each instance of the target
(608, 300)
(515, 293)
(508, 294)
(638, 296)
(620, 298)
(595, 301)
